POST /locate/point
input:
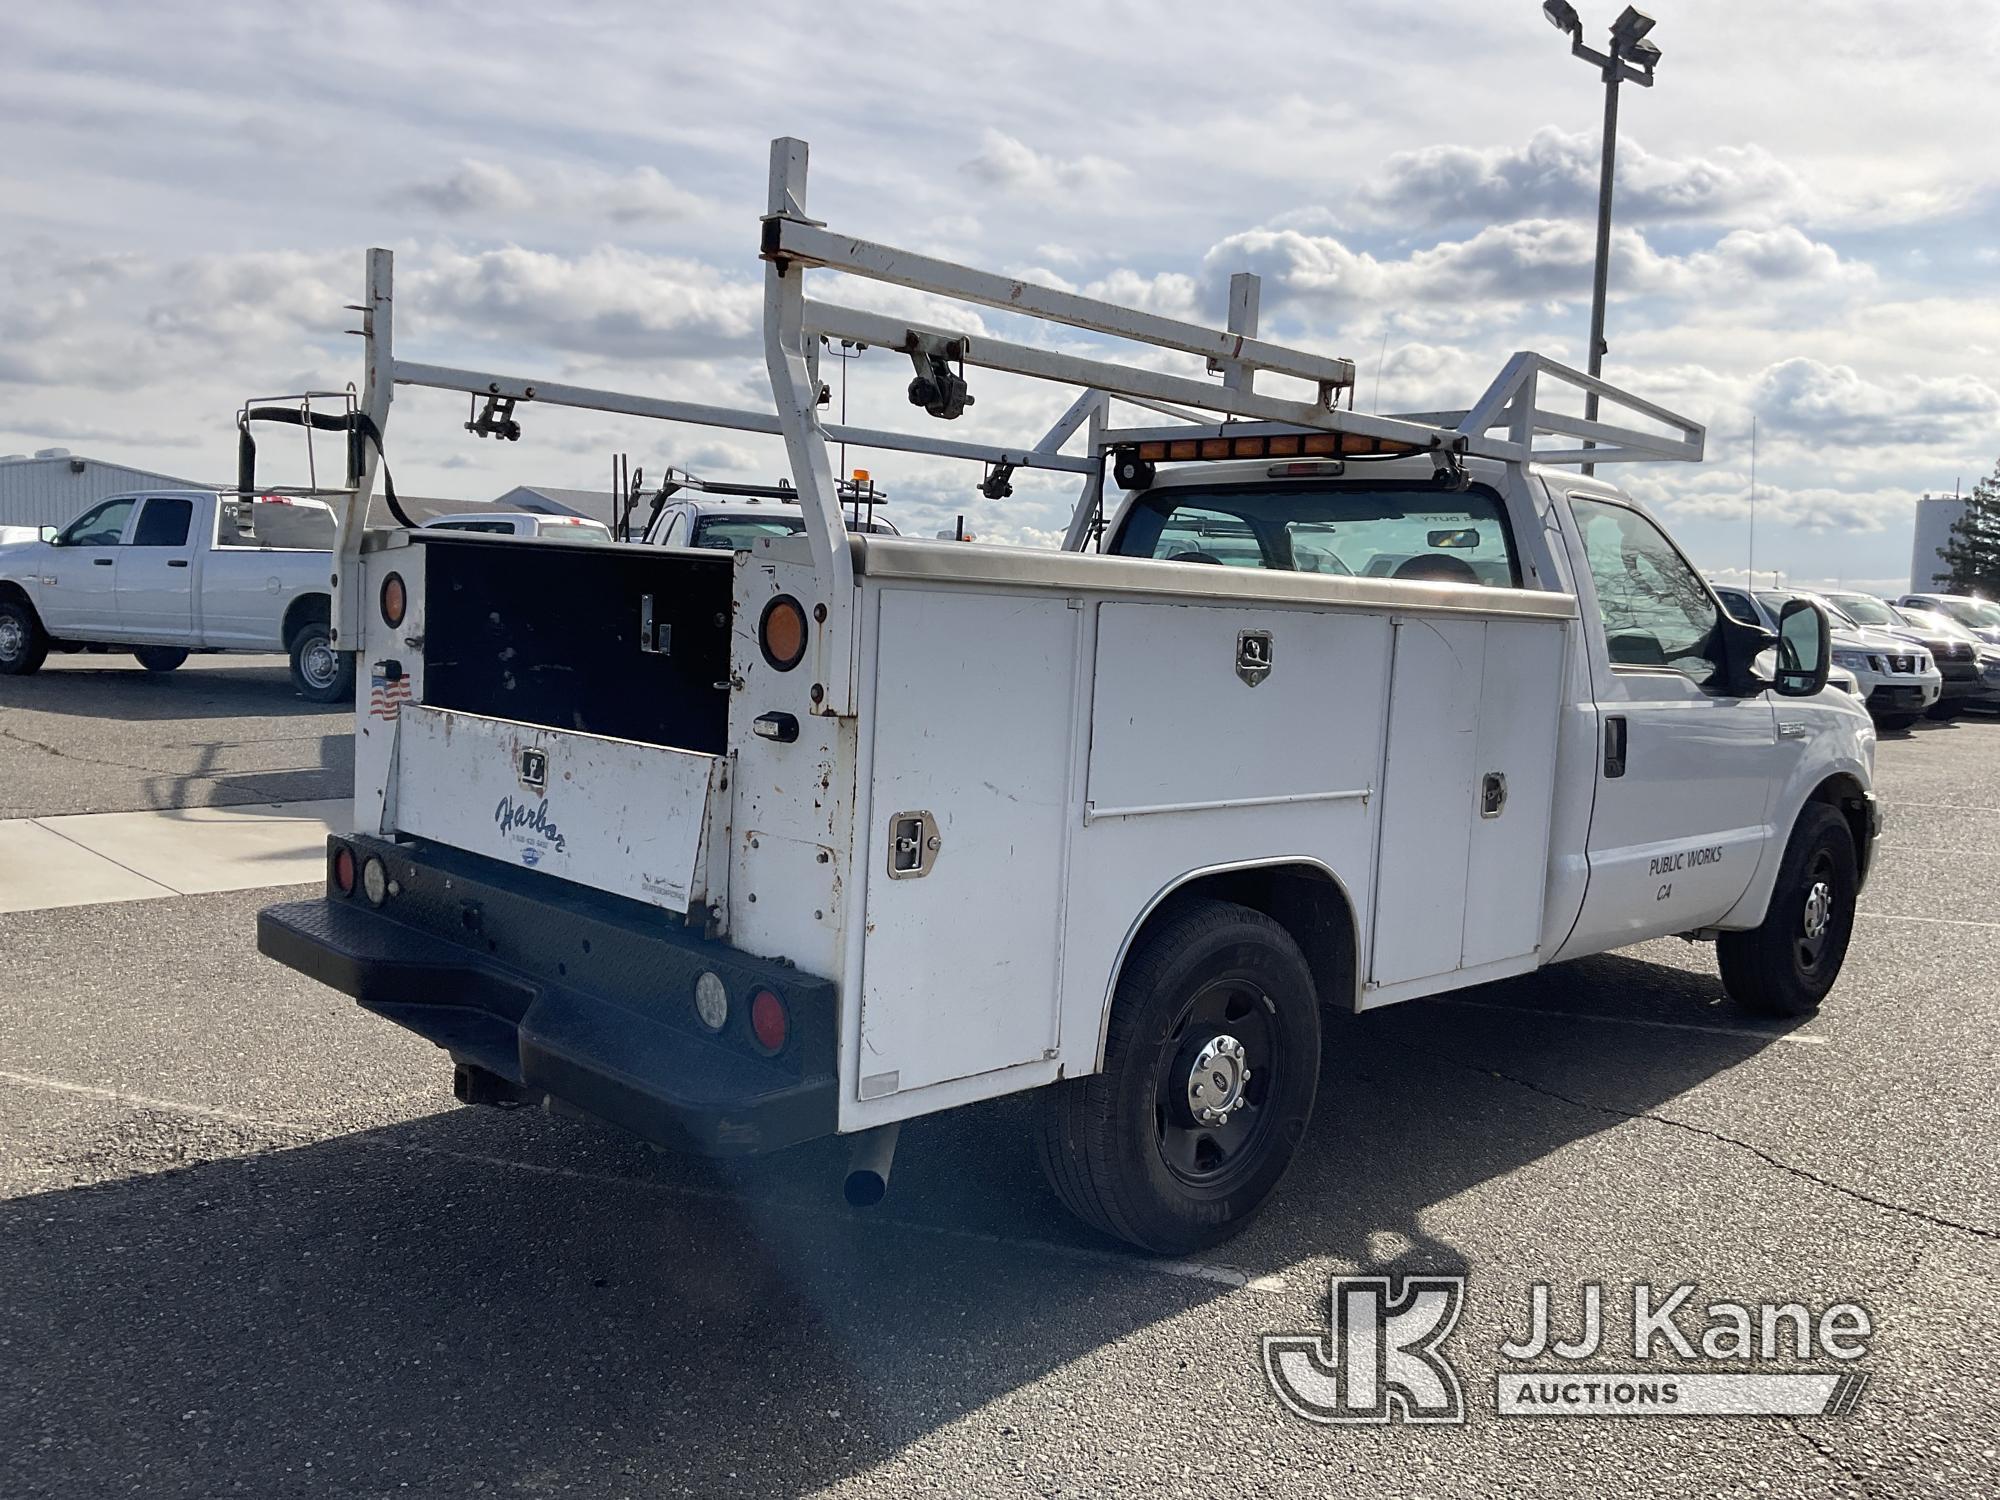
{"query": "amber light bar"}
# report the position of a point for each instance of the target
(1280, 445)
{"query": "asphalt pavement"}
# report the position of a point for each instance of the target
(250, 1245)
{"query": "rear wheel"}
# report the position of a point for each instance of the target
(24, 645)
(1211, 1065)
(320, 673)
(159, 658)
(1785, 966)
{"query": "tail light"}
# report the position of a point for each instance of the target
(343, 869)
(768, 1022)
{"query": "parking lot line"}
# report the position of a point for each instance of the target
(1760, 1033)
(1896, 916)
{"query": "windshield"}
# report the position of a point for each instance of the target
(1932, 622)
(1866, 609)
(1975, 612)
(1389, 530)
(736, 533)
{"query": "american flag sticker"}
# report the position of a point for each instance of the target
(387, 695)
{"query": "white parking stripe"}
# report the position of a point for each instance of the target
(1896, 916)
(1132, 1264)
(1755, 1032)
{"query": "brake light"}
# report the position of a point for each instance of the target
(1276, 445)
(781, 632)
(343, 869)
(768, 1022)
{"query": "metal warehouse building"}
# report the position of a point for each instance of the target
(54, 487)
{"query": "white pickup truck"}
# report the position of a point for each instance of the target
(165, 573)
(735, 850)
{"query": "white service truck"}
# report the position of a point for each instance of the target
(162, 573)
(735, 850)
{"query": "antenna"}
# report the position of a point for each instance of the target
(1752, 570)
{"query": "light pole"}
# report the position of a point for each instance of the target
(1630, 58)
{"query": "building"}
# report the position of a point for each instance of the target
(1935, 515)
(55, 486)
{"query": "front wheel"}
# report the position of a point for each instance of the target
(159, 658)
(24, 645)
(320, 673)
(1785, 966)
(1211, 1065)
(1895, 722)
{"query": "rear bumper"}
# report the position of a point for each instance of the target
(567, 996)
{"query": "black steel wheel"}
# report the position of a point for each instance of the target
(1786, 965)
(1211, 1066)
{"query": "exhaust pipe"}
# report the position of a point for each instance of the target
(868, 1167)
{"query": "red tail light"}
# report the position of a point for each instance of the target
(343, 869)
(768, 1021)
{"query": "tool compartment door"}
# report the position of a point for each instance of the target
(615, 815)
(972, 728)
(1459, 884)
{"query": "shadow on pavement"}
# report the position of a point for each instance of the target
(117, 687)
(520, 1301)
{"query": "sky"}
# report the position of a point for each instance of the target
(1807, 230)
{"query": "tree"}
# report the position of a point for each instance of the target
(1970, 558)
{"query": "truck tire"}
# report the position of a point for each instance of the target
(1785, 966)
(24, 645)
(1894, 722)
(159, 658)
(1215, 1009)
(320, 673)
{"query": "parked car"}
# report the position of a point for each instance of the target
(165, 573)
(725, 517)
(1979, 616)
(1971, 667)
(1894, 676)
(526, 524)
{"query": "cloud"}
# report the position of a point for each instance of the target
(1821, 403)
(1555, 174)
(484, 190)
(1008, 163)
(608, 302)
(473, 187)
(1507, 266)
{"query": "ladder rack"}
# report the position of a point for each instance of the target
(1503, 425)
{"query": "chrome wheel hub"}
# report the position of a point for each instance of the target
(1819, 910)
(12, 638)
(1215, 1082)
(317, 665)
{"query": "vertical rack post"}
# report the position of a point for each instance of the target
(795, 388)
(378, 332)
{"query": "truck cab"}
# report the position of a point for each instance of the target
(835, 830)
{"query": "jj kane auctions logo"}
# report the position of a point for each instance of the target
(1381, 1358)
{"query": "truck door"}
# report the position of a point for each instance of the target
(1684, 769)
(78, 595)
(156, 570)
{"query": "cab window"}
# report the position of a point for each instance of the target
(736, 533)
(164, 522)
(1390, 530)
(1656, 610)
(100, 526)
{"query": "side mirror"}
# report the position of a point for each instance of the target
(1804, 649)
(47, 534)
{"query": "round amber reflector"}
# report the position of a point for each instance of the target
(768, 1021)
(395, 599)
(781, 632)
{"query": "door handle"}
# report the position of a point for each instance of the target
(177, 562)
(103, 562)
(1614, 745)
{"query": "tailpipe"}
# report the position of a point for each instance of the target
(868, 1167)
